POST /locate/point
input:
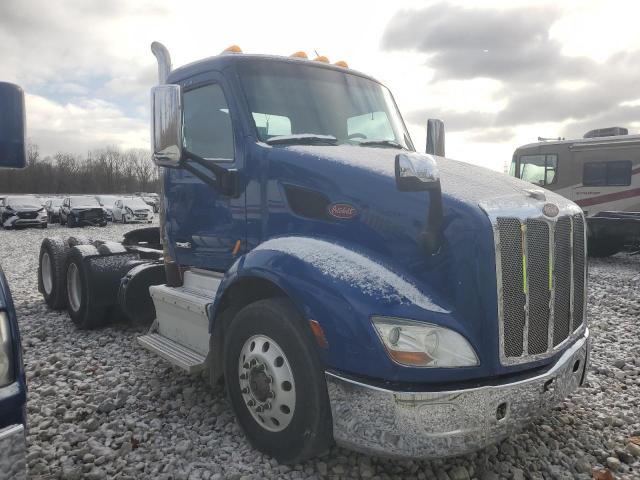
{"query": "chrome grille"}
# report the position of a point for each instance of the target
(538, 281)
(541, 272)
(512, 291)
(562, 280)
(578, 270)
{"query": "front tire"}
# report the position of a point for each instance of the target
(71, 221)
(275, 381)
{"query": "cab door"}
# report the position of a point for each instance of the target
(204, 225)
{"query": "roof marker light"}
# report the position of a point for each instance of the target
(342, 64)
(299, 54)
(321, 58)
(232, 49)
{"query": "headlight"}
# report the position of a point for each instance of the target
(6, 352)
(418, 344)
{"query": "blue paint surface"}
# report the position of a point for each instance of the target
(461, 277)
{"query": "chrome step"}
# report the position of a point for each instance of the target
(173, 352)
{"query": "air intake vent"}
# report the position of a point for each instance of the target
(308, 203)
(606, 132)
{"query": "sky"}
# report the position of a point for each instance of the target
(498, 73)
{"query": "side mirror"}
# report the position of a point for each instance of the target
(12, 126)
(166, 125)
(416, 172)
(435, 137)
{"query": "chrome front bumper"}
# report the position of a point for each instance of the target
(13, 448)
(382, 422)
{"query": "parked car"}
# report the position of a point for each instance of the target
(132, 209)
(82, 210)
(151, 199)
(52, 206)
(22, 211)
(107, 202)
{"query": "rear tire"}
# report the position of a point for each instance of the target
(83, 314)
(74, 240)
(51, 272)
(297, 423)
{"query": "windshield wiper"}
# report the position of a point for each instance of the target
(380, 143)
(303, 139)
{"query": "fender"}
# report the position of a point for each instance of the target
(341, 287)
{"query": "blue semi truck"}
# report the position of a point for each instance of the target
(344, 286)
(13, 387)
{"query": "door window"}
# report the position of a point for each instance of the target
(207, 123)
(539, 169)
(599, 174)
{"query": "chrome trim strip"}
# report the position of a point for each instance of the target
(525, 273)
(552, 293)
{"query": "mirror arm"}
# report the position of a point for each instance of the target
(225, 179)
(431, 236)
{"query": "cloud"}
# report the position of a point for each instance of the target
(68, 54)
(79, 127)
(539, 83)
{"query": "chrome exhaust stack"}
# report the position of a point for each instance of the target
(172, 270)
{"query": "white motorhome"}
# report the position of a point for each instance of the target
(600, 172)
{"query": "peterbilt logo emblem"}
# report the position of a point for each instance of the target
(550, 210)
(343, 211)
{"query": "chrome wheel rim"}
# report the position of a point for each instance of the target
(73, 287)
(266, 383)
(47, 277)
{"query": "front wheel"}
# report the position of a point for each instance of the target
(275, 381)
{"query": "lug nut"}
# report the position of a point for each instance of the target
(259, 409)
(245, 366)
(272, 394)
(245, 390)
(251, 403)
(267, 406)
(243, 376)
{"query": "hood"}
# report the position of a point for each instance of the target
(86, 207)
(25, 208)
(387, 225)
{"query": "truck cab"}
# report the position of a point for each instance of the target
(346, 287)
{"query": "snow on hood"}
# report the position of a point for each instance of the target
(356, 269)
(377, 160)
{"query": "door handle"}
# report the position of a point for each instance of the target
(183, 244)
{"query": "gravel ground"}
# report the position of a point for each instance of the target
(102, 407)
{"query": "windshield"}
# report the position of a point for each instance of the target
(84, 202)
(538, 169)
(24, 202)
(135, 203)
(293, 102)
(107, 200)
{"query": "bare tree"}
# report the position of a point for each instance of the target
(105, 170)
